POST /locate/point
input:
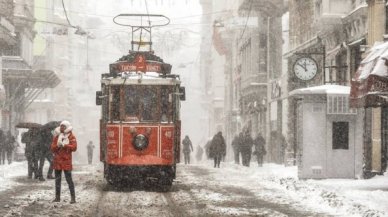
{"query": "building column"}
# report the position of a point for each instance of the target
(376, 30)
(2, 92)
(376, 140)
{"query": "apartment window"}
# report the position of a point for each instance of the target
(341, 135)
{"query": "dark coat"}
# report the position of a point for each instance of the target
(259, 146)
(29, 138)
(217, 146)
(246, 143)
(207, 148)
(2, 141)
(236, 144)
(63, 155)
(187, 145)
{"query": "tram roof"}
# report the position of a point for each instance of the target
(141, 79)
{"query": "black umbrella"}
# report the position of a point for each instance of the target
(51, 125)
(45, 132)
(28, 125)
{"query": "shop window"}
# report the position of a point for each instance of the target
(340, 135)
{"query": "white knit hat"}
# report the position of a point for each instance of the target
(65, 123)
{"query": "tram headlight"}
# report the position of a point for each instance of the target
(140, 142)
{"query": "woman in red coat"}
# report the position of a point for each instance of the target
(64, 143)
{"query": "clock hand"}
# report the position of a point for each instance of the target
(304, 67)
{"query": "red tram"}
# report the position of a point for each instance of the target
(140, 118)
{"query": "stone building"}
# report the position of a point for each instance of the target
(335, 34)
(247, 42)
(260, 65)
(22, 81)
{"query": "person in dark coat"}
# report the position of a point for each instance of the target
(9, 146)
(246, 143)
(260, 151)
(64, 143)
(90, 148)
(236, 149)
(207, 149)
(187, 148)
(198, 155)
(282, 147)
(46, 138)
(217, 149)
(2, 147)
(27, 139)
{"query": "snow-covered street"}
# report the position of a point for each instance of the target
(199, 190)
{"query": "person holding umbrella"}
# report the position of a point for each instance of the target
(47, 134)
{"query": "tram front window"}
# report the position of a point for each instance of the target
(165, 98)
(141, 103)
(132, 103)
(150, 104)
(115, 102)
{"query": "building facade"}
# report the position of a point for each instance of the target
(22, 81)
(246, 51)
(336, 34)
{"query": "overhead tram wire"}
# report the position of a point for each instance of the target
(67, 18)
(246, 22)
(109, 16)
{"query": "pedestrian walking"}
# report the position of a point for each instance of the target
(64, 143)
(2, 147)
(207, 149)
(187, 148)
(217, 149)
(90, 148)
(46, 138)
(10, 146)
(246, 143)
(236, 149)
(28, 152)
(260, 151)
(198, 155)
(282, 147)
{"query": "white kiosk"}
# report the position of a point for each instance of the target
(329, 133)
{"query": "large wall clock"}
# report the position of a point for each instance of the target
(305, 68)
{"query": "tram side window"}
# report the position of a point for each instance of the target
(115, 103)
(150, 104)
(165, 98)
(132, 103)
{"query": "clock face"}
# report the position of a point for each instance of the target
(305, 68)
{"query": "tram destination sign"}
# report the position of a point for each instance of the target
(131, 67)
(139, 64)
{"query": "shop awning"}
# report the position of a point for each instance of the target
(17, 73)
(369, 87)
(16, 69)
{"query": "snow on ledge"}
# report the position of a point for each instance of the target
(323, 89)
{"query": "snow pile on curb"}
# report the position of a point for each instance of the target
(343, 197)
(315, 195)
(9, 171)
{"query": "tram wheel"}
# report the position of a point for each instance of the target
(165, 183)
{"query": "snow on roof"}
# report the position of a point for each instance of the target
(323, 89)
(379, 49)
(374, 62)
